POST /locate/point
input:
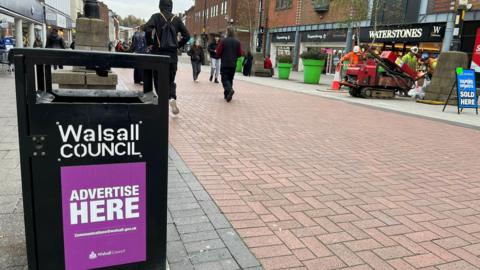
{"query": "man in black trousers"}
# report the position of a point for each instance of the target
(163, 23)
(229, 50)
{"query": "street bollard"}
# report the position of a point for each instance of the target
(94, 164)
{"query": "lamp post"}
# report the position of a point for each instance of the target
(205, 36)
(260, 27)
(91, 9)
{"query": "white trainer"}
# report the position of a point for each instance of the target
(173, 105)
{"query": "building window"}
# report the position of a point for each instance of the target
(225, 7)
(283, 4)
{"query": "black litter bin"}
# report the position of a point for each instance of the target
(94, 164)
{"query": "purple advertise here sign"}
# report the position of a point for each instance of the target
(104, 215)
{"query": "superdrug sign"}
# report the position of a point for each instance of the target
(283, 37)
(408, 33)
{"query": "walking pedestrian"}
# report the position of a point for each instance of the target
(247, 64)
(162, 32)
(215, 60)
(55, 41)
(229, 50)
(139, 46)
(196, 57)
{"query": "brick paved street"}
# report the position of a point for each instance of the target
(312, 183)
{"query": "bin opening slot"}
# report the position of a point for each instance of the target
(95, 96)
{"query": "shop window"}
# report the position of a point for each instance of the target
(283, 4)
(321, 5)
(395, 11)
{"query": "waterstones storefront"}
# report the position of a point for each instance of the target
(400, 38)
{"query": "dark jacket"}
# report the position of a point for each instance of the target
(139, 43)
(247, 64)
(229, 50)
(196, 54)
(212, 49)
(156, 23)
(55, 41)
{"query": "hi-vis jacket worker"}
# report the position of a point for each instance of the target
(410, 59)
(352, 57)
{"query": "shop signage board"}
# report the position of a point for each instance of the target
(476, 53)
(404, 33)
(467, 97)
(325, 36)
(53, 18)
(32, 9)
(283, 37)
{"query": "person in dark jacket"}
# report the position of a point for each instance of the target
(153, 28)
(215, 61)
(139, 46)
(229, 50)
(196, 57)
(247, 64)
(55, 41)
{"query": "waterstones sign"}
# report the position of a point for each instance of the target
(404, 33)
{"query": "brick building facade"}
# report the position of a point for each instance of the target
(212, 17)
(295, 26)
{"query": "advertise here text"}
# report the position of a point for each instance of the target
(104, 204)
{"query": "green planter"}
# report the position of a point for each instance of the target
(284, 70)
(240, 63)
(312, 70)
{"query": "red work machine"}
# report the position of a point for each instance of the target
(380, 76)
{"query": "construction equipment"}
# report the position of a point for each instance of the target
(380, 76)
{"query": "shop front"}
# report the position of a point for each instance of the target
(63, 23)
(331, 42)
(20, 21)
(282, 44)
(400, 38)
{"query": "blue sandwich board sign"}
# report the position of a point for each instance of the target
(467, 97)
(466, 89)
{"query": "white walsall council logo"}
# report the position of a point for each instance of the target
(92, 256)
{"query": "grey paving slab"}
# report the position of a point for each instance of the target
(238, 248)
(202, 246)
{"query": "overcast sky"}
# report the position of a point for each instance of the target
(144, 8)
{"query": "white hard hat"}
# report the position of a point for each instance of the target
(356, 49)
(414, 49)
